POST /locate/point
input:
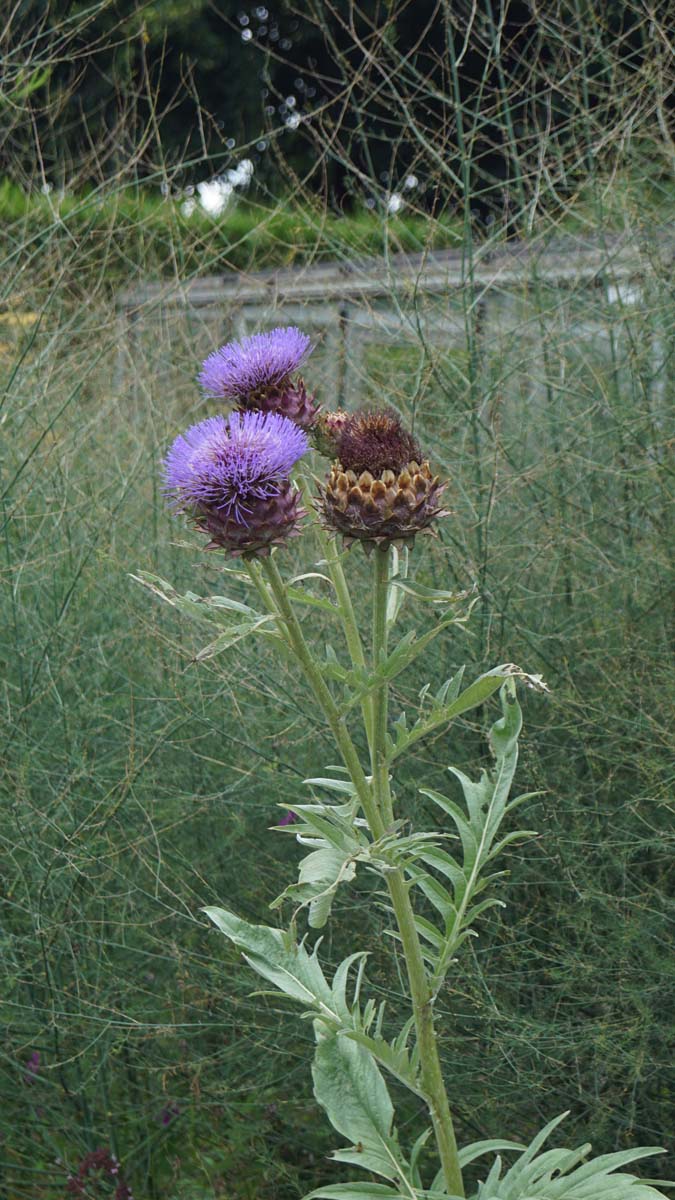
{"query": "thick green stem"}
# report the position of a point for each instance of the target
(420, 988)
(430, 1064)
(350, 627)
(380, 700)
(348, 616)
(314, 677)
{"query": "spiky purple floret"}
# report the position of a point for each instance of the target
(260, 361)
(227, 463)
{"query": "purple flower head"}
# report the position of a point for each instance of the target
(225, 465)
(255, 363)
(289, 818)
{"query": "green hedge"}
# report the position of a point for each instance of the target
(136, 231)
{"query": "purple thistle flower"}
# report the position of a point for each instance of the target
(233, 475)
(228, 463)
(289, 818)
(257, 363)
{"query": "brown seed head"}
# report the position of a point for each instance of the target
(376, 441)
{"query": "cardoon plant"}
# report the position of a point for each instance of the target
(234, 479)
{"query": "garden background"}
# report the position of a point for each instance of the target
(138, 784)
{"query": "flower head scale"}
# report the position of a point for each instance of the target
(232, 474)
(256, 363)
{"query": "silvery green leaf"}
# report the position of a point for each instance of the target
(369, 1158)
(476, 693)
(376, 1191)
(437, 895)
(430, 933)
(211, 610)
(204, 609)
(340, 980)
(278, 959)
(467, 835)
(394, 1056)
(223, 602)
(401, 657)
(299, 596)
(431, 595)
(449, 690)
(446, 865)
(394, 850)
(355, 1191)
(336, 843)
(333, 785)
(398, 569)
(320, 875)
(297, 973)
(560, 1174)
(333, 827)
(415, 1155)
(323, 866)
(348, 1084)
(229, 637)
(350, 1087)
(486, 803)
(476, 1149)
(312, 575)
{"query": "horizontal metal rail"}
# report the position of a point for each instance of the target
(564, 261)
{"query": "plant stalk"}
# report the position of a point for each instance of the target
(380, 699)
(296, 640)
(376, 803)
(350, 628)
(348, 617)
(420, 988)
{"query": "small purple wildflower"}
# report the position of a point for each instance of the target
(32, 1067)
(169, 1113)
(256, 363)
(227, 464)
(289, 819)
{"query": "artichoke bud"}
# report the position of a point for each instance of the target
(289, 398)
(327, 431)
(268, 522)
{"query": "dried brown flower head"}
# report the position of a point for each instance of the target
(376, 441)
